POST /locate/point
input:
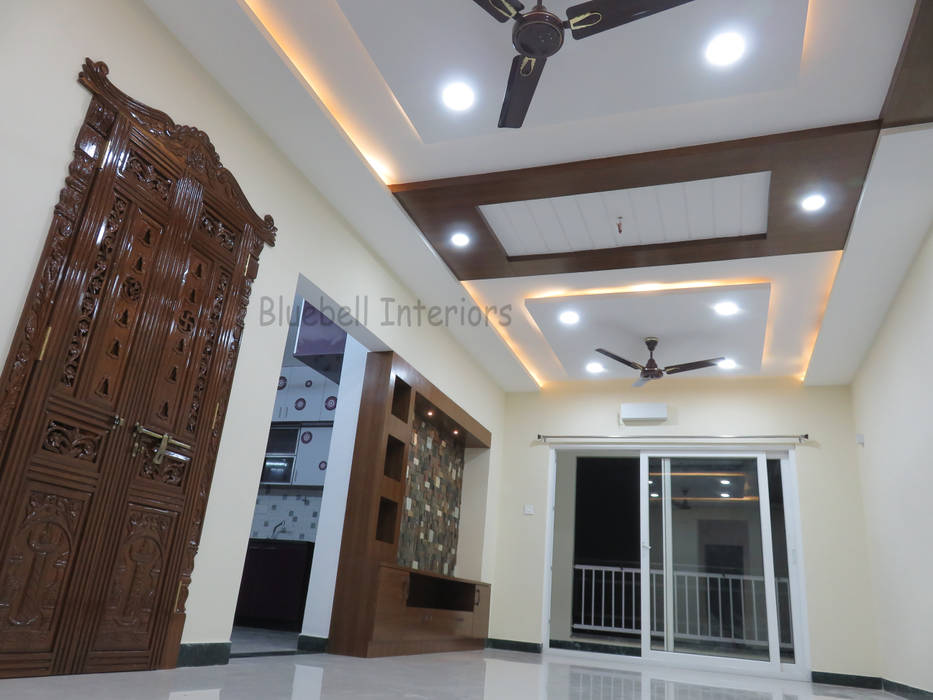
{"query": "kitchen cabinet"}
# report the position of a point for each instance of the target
(301, 395)
(328, 402)
(274, 584)
(311, 457)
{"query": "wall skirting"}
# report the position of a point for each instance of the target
(595, 647)
(872, 682)
(312, 645)
(509, 645)
(211, 654)
(905, 691)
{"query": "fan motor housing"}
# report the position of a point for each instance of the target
(538, 34)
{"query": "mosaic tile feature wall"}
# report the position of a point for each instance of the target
(431, 512)
(299, 508)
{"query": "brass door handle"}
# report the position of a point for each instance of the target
(165, 441)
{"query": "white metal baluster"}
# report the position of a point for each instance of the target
(654, 603)
(755, 606)
(696, 595)
(632, 575)
(709, 607)
(593, 598)
(583, 597)
(602, 611)
(731, 612)
(719, 601)
(742, 606)
(613, 597)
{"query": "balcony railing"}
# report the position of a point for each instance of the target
(720, 608)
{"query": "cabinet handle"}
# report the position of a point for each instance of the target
(476, 597)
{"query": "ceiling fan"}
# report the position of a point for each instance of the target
(650, 369)
(539, 33)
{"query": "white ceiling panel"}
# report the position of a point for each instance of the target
(684, 321)
(419, 46)
(683, 211)
(798, 287)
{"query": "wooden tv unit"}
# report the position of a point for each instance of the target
(419, 612)
(380, 607)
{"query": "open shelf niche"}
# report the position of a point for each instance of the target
(387, 521)
(401, 400)
(396, 457)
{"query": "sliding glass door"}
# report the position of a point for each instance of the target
(708, 567)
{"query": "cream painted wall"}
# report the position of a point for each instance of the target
(893, 406)
(842, 630)
(44, 44)
(565, 514)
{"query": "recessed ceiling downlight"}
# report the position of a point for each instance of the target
(595, 367)
(726, 308)
(725, 49)
(460, 239)
(728, 363)
(813, 202)
(569, 318)
(458, 96)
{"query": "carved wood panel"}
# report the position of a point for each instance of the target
(37, 565)
(136, 580)
(130, 332)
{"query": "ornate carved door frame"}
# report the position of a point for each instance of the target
(115, 389)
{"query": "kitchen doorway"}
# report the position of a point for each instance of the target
(274, 587)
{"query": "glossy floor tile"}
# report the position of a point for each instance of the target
(252, 640)
(489, 675)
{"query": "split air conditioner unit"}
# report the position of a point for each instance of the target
(642, 412)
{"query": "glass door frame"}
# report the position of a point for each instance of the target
(709, 661)
(799, 669)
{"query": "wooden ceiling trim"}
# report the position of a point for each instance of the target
(910, 97)
(833, 160)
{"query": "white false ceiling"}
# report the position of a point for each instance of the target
(683, 320)
(379, 67)
(850, 50)
(654, 62)
(684, 211)
(640, 300)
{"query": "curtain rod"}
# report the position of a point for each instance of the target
(799, 438)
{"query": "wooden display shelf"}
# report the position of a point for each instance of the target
(381, 608)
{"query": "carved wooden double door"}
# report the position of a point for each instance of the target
(115, 390)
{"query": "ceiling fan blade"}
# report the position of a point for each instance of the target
(523, 79)
(597, 16)
(687, 366)
(613, 356)
(640, 382)
(501, 10)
